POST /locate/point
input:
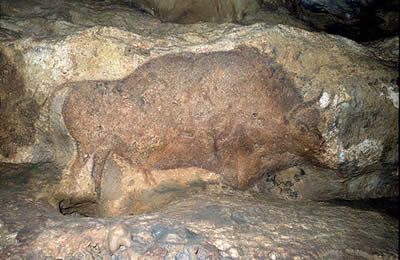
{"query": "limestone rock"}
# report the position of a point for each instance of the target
(289, 98)
(312, 183)
(191, 11)
(18, 112)
(228, 224)
(117, 237)
(386, 50)
(363, 20)
(105, 111)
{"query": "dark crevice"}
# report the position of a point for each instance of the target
(388, 206)
(362, 21)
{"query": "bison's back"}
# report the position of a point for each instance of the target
(204, 110)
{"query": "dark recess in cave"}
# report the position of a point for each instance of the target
(361, 20)
(389, 206)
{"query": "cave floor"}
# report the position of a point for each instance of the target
(219, 223)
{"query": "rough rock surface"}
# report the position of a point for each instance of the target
(105, 111)
(192, 11)
(386, 50)
(332, 104)
(18, 114)
(363, 20)
(217, 224)
(310, 183)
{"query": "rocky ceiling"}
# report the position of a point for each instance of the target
(212, 129)
(362, 20)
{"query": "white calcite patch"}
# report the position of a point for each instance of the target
(393, 96)
(40, 55)
(364, 153)
(324, 101)
(222, 244)
(47, 65)
(342, 156)
(62, 62)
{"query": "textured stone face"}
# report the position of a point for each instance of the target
(191, 11)
(362, 20)
(160, 116)
(349, 89)
(233, 113)
(18, 112)
(206, 226)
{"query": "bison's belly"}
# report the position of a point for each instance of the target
(224, 112)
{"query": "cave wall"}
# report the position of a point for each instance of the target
(337, 118)
(192, 11)
(362, 20)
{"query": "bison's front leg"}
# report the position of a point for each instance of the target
(99, 159)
